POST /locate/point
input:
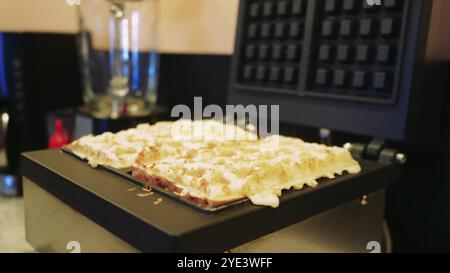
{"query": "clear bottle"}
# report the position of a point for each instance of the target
(120, 63)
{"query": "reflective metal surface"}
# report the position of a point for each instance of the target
(52, 226)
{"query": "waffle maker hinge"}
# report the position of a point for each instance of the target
(376, 150)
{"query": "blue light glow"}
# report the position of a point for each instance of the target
(3, 86)
(9, 182)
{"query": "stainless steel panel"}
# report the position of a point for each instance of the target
(52, 226)
(350, 228)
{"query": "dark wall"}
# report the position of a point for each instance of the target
(418, 207)
(54, 70)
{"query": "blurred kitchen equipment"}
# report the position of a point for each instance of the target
(60, 137)
(39, 73)
(119, 58)
(8, 182)
(80, 121)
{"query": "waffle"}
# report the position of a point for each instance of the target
(221, 165)
(221, 173)
(121, 149)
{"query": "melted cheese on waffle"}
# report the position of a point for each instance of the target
(258, 170)
(121, 149)
(219, 166)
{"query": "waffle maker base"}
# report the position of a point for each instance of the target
(67, 201)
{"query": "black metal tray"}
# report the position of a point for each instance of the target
(125, 174)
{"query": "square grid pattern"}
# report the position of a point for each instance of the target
(358, 47)
(271, 48)
(354, 48)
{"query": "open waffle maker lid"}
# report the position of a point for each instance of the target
(343, 65)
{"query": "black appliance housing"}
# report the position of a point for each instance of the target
(40, 73)
(345, 65)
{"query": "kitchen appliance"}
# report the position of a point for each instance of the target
(103, 212)
(280, 58)
(345, 65)
(8, 185)
(120, 64)
(39, 72)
